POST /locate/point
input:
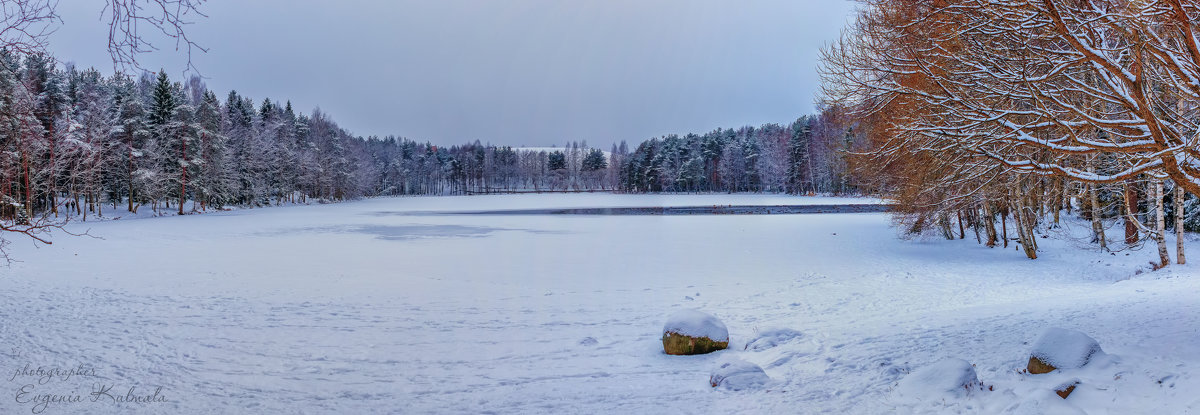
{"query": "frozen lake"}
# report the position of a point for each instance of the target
(363, 307)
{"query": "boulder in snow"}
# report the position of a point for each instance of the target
(1062, 349)
(736, 375)
(694, 332)
(1065, 389)
(947, 378)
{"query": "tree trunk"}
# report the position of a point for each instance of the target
(1179, 257)
(943, 221)
(1004, 226)
(1097, 226)
(52, 183)
(1131, 210)
(1160, 227)
(183, 169)
(78, 209)
(1030, 243)
(28, 190)
(1024, 230)
(962, 232)
(1066, 196)
(973, 217)
(131, 171)
(990, 227)
(1059, 190)
(200, 196)
(1031, 220)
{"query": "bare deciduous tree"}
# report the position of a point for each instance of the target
(168, 17)
(1094, 91)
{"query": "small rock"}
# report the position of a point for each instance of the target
(1062, 349)
(694, 332)
(588, 341)
(1065, 389)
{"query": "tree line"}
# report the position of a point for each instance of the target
(805, 157)
(76, 143)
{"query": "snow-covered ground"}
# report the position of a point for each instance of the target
(366, 307)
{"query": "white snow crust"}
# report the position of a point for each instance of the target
(377, 307)
(738, 375)
(949, 377)
(1065, 348)
(772, 338)
(696, 323)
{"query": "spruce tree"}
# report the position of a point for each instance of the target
(594, 160)
(556, 161)
(162, 103)
(798, 161)
(130, 141)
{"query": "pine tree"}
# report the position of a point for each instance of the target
(46, 86)
(798, 164)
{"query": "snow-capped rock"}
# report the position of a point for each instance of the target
(694, 332)
(1062, 349)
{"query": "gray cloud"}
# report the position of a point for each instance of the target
(520, 72)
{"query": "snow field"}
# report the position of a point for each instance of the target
(374, 307)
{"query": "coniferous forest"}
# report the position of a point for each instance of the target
(79, 144)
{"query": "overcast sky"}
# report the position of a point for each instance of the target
(512, 72)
